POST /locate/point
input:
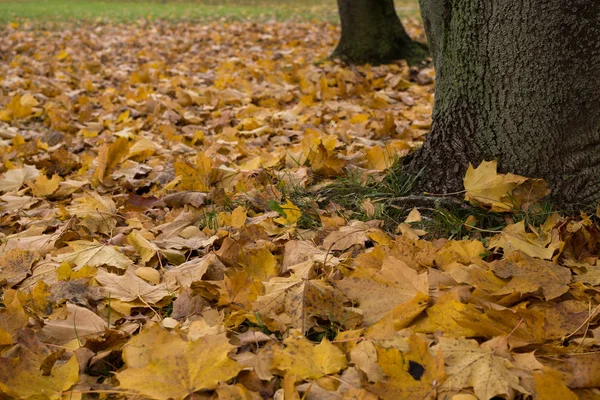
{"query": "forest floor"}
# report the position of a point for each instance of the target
(207, 210)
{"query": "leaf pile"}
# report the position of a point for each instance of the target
(149, 246)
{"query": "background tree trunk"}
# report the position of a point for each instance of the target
(372, 33)
(517, 81)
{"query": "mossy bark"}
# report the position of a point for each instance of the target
(516, 81)
(372, 33)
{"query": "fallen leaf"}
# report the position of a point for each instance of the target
(535, 244)
(109, 156)
(306, 360)
(410, 375)
(470, 366)
(79, 324)
(484, 186)
(130, 287)
(529, 275)
(378, 292)
(182, 370)
(15, 178)
(16, 265)
(95, 254)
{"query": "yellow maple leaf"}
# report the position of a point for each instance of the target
(12, 318)
(378, 158)
(143, 246)
(19, 107)
(238, 217)
(95, 254)
(291, 212)
(23, 377)
(95, 212)
(470, 366)
(43, 187)
(182, 369)
(262, 265)
(306, 360)
(484, 186)
(539, 243)
(65, 272)
(549, 384)
(379, 292)
(142, 149)
(411, 374)
(109, 156)
(194, 177)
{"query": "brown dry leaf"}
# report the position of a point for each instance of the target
(410, 375)
(529, 275)
(15, 178)
(461, 251)
(297, 252)
(96, 213)
(183, 369)
(180, 199)
(262, 265)
(413, 216)
(577, 370)
(470, 366)
(347, 236)
(79, 324)
(306, 360)
(590, 275)
(142, 149)
(332, 388)
(379, 292)
(15, 265)
(199, 177)
(364, 356)
(130, 287)
(294, 302)
(192, 271)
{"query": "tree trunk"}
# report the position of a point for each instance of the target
(372, 33)
(517, 81)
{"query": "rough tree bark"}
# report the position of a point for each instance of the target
(517, 81)
(372, 33)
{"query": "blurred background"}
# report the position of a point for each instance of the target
(47, 10)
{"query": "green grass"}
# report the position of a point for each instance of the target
(122, 11)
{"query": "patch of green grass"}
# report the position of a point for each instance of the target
(123, 11)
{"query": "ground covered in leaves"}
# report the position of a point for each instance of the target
(168, 229)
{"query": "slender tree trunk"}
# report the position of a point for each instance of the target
(517, 81)
(372, 33)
